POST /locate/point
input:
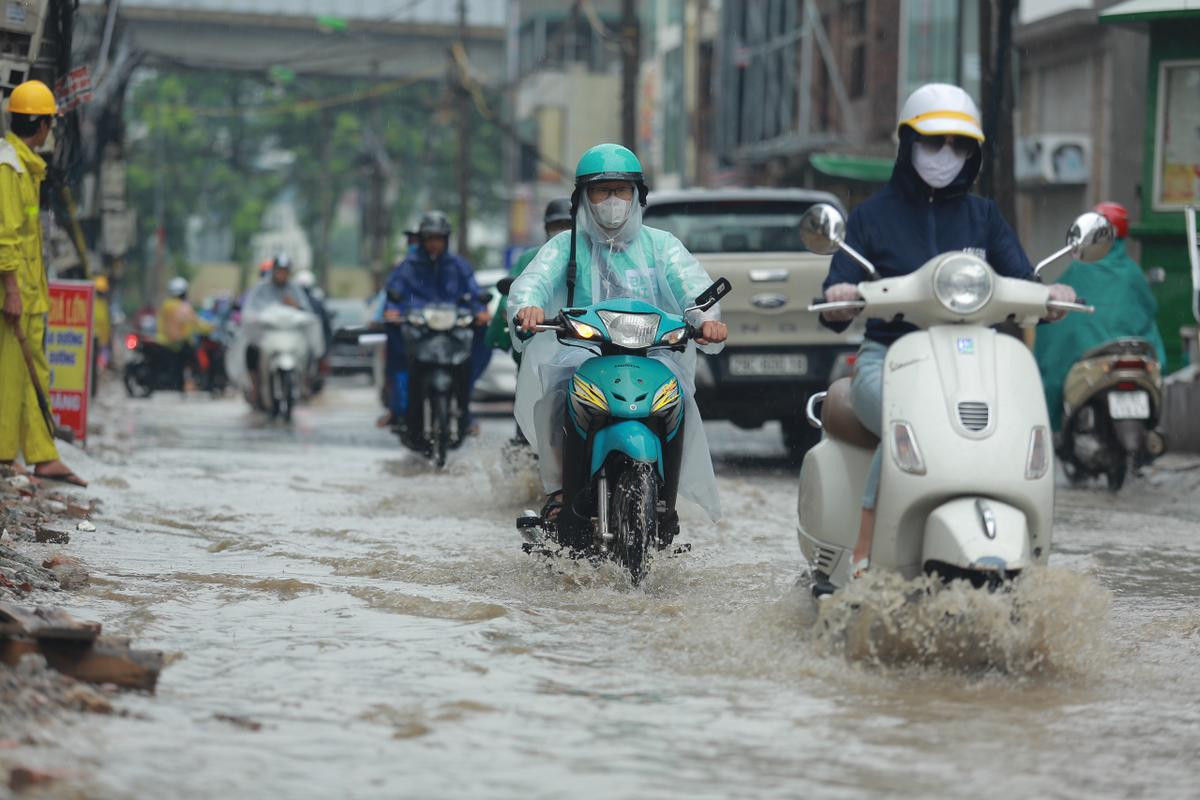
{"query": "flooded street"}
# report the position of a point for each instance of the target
(342, 621)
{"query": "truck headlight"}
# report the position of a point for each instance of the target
(963, 283)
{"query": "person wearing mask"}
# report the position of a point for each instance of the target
(24, 291)
(925, 209)
(607, 253)
(178, 326)
(556, 220)
(1125, 307)
(432, 274)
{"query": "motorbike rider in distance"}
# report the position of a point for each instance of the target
(278, 287)
(1129, 312)
(924, 210)
(607, 253)
(429, 274)
(177, 328)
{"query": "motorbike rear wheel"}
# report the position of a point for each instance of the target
(137, 380)
(633, 513)
(1115, 475)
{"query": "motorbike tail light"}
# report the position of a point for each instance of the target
(1136, 363)
(1038, 459)
(905, 451)
(1126, 386)
(131, 341)
(851, 359)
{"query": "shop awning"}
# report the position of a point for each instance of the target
(871, 169)
(1150, 10)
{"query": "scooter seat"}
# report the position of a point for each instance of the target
(839, 420)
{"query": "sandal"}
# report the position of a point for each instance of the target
(858, 568)
(554, 506)
(64, 477)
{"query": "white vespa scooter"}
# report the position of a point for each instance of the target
(967, 485)
(288, 341)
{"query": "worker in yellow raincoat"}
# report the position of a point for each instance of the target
(23, 288)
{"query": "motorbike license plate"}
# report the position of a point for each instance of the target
(753, 364)
(1129, 405)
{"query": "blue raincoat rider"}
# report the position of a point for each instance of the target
(431, 274)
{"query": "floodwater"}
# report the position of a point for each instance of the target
(380, 623)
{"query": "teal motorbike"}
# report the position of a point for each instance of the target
(623, 433)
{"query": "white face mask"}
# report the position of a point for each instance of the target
(613, 212)
(937, 169)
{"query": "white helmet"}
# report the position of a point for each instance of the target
(177, 287)
(941, 109)
(306, 279)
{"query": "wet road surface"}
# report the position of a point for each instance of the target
(380, 623)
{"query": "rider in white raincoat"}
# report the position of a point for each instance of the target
(615, 257)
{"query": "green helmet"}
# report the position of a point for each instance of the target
(610, 162)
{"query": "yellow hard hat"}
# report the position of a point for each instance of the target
(101, 283)
(33, 98)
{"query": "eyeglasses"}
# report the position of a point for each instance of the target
(598, 194)
(961, 145)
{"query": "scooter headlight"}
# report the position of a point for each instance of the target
(1038, 459)
(963, 283)
(905, 451)
(632, 331)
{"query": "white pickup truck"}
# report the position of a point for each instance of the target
(778, 353)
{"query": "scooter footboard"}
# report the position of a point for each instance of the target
(633, 439)
(977, 533)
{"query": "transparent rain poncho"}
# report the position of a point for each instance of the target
(630, 261)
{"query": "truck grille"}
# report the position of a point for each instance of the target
(974, 416)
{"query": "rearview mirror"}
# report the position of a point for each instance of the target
(1090, 237)
(710, 296)
(822, 229)
(503, 285)
(1156, 275)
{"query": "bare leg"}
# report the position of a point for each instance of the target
(866, 535)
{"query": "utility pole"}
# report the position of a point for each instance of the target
(997, 179)
(376, 219)
(630, 51)
(464, 131)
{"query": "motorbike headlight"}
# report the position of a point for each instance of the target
(963, 284)
(584, 331)
(440, 319)
(1038, 459)
(905, 451)
(672, 338)
(633, 331)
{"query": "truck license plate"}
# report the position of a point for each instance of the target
(1129, 405)
(751, 364)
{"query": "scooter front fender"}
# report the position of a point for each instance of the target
(977, 533)
(633, 439)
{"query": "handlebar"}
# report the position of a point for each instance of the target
(839, 305)
(1062, 305)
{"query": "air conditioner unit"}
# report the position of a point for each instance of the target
(22, 23)
(1053, 158)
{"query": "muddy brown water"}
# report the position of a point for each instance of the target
(349, 623)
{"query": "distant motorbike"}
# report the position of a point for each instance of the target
(287, 341)
(1112, 399)
(437, 347)
(623, 438)
(152, 367)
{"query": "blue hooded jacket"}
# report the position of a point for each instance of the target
(419, 281)
(906, 223)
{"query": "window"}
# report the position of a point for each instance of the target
(1177, 136)
(732, 226)
(854, 15)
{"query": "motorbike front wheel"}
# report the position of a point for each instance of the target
(634, 517)
(440, 440)
(283, 394)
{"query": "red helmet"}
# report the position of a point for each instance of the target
(1117, 216)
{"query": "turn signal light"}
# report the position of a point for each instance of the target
(905, 451)
(1038, 459)
(131, 342)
